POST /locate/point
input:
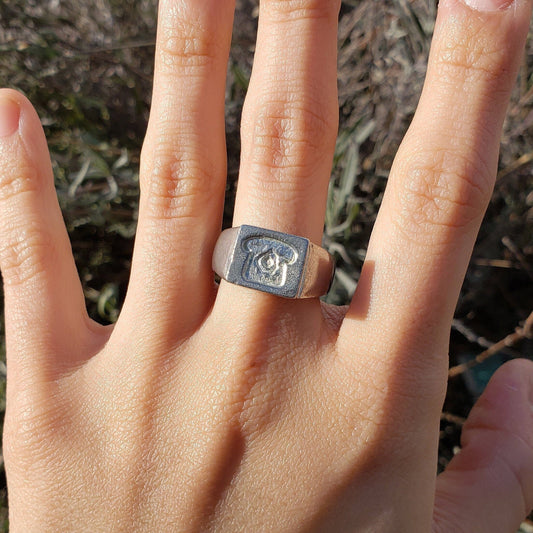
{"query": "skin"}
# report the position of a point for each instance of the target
(233, 410)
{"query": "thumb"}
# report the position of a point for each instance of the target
(488, 486)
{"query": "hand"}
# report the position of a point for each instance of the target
(235, 410)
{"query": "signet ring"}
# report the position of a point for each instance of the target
(270, 261)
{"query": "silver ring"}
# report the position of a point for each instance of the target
(274, 262)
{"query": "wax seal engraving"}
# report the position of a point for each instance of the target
(267, 261)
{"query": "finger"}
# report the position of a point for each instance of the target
(183, 167)
(44, 304)
(290, 117)
(288, 128)
(488, 486)
(443, 176)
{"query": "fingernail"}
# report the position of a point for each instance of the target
(9, 117)
(488, 5)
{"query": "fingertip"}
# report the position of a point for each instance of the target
(506, 402)
(517, 373)
(513, 378)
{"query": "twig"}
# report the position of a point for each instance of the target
(494, 263)
(513, 248)
(526, 331)
(469, 334)
(515, 165)
(453, 419)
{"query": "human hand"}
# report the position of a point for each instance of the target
(234, 410)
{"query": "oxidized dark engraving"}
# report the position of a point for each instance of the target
(267, 261)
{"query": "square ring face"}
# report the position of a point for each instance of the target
(269, 261)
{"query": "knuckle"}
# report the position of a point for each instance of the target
(290, 136)
(17, 180)
(177, 184)
(186, 41)
(24, 255)
(443, 190)
(470, 56)
(290, 10)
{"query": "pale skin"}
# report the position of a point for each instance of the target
(232, 410)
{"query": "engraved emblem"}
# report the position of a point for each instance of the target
(267, 261)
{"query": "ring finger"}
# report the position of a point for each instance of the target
(289, 122)
(290, 118)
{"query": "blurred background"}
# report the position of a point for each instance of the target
(87, 67)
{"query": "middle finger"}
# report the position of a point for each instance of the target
(182, 169)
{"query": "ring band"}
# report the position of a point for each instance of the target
(274, 262)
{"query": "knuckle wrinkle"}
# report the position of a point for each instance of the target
(304, 9)
(17, 181)
(441, 190)
(25, 255)
(288, 137)
(177, 187)
(186, 43)
(472, 58)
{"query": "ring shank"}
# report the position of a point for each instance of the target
(223, 253)
(320, 268)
